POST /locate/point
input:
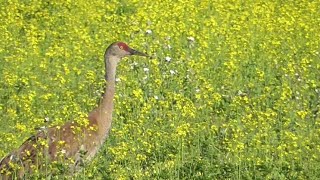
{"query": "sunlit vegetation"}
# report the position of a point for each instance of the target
(233, 91)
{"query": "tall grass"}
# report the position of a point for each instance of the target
(233, 92)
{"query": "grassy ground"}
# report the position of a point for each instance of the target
(234, 92)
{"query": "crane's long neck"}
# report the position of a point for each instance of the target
(102, 115)
(111, 65)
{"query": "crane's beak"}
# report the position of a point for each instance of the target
(138, 53)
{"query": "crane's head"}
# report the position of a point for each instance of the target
(121, 49)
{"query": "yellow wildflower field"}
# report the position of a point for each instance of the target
(232, 93)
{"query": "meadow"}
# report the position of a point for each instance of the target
(232, 93)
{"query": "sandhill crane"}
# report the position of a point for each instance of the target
(63, 142)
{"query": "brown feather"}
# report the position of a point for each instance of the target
(71, 142)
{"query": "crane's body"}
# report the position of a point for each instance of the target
(70, 141)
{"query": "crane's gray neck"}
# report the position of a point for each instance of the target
(111, 63)
(111, 66)
(103, 113)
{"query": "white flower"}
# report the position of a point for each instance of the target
(118, 79)
(46, 119)
(197, 90)
(173, 72)
(146, 69)
(240, 93)
(190, 38)
(134, 64)
(169, 46)
(42, 128)
(156, 97)
(168, 59)
(148, 31)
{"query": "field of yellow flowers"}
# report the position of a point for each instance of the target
(233, 93)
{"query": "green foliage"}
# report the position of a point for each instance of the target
(233, 92)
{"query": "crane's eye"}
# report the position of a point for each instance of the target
(123, 46)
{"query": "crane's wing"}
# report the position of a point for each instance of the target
(55, 143)
(20, 160)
